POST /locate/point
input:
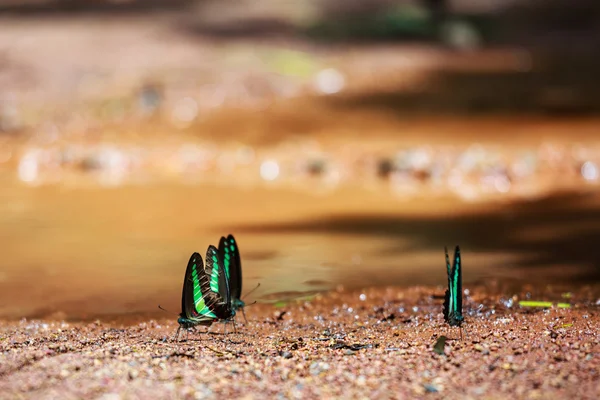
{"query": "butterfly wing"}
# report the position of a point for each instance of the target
(236, 268)
(193, 306)
(457, 285)
(215, 285)
(225, 257)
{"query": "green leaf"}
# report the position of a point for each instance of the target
(533, 303)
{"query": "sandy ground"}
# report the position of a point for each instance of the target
(377, 343)
(336, 345)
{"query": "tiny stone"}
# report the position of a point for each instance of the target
(479, 390)
(481, 349)
(431, 388)
(110, 396)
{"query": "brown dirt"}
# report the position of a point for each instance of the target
(376, 343)
(127, 245)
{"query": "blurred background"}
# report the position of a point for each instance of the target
(342, 142)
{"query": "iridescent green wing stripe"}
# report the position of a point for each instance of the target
(217, 301)
(225, 255)
(193, 304)
(457, 285)
(235, 276)
(214, 270)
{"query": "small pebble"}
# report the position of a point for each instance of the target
(431, 388)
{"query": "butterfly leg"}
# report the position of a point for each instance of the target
(176, 338)
(244, 314)
(234, 328)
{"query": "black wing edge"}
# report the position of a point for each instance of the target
(236, 271)
(187, 294)
(457, 273)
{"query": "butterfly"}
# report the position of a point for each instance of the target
(229, 252)
(202, 302)
(453, 297)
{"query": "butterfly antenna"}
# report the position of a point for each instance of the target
(247, 294)
(167, 311)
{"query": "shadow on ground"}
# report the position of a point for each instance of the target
(562, 230)
(77, 7)
(553, 85)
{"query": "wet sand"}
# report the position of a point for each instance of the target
(86, 253)
(375, 343)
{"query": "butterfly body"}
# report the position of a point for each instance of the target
(453, 296)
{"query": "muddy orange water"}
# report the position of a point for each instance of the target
(86, 252)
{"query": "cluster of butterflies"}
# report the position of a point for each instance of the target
(212, 290)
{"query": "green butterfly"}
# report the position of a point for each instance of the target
(229, 252)
(453, 296)
(205, 297)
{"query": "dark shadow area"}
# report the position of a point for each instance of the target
(552, 24)
(559, 230)
(400, 24)
(372, 23)
(558, 86)
(257, 28)
(86, 7)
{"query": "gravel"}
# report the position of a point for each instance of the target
(316, 352)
